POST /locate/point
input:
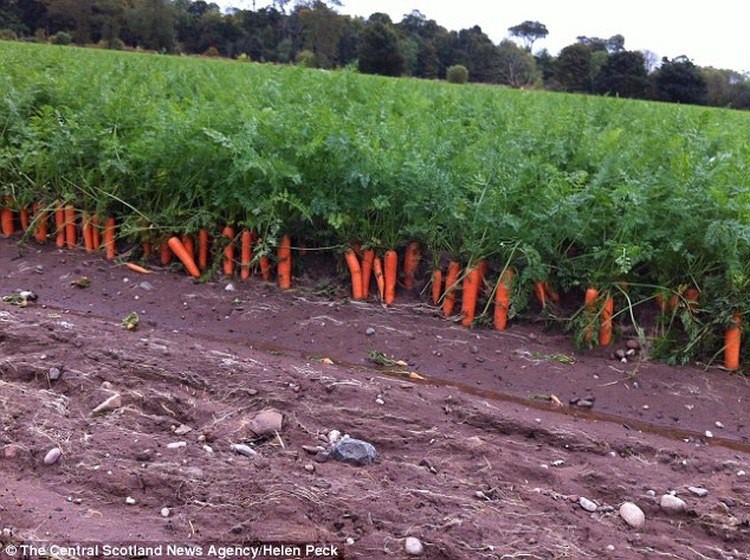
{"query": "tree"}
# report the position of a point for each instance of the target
(151, 24)
(517, 66)
(623, 74)
(379, 51)
(616, 43)
(679, 81)
(321, 29)
(529, 32)
(573, 68)
(478, 54)
(726, 88)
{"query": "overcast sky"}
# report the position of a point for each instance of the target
(709, 33)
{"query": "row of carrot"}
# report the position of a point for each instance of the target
(363, 264)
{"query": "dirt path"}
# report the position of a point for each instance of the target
(470, 463)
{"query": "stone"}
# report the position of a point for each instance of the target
(354, 451)
(52, 456)
(698, 491)
(54, 374)
(112, 403)
(587, 504)
(413, 546)
(243, 449)
(672, 504)
(632, 515)
(267, 422)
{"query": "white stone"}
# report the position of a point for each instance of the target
(413, 546)
(698, 491)
(673, 504)
(243, 449)
(587, 504)
(111, 403)
(52, 456)
(176, 444)
(130, 501)
(632, 515)
(165, 512)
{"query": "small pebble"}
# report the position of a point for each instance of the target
(379, 401)
(719, 425)
(334, 436)
(243, 449)
(632, 515)
(651, 493)
(309, 467)
(698, 491)
(130, 501)
(741, 473)
(610, 548)
(54, 374)
(349, 541)
(587, 504)
(52, 456)
(229, 287)
(176, 444)
(165, 512)
(370, 331)
(413, 546)
(709, 434)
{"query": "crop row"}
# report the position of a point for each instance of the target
(641, 202)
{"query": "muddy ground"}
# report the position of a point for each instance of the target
(476, 460)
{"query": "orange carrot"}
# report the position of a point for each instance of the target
(605, 325)
(165, 253)
(691, 296)
(592, 294)
(368, 258)
(284, 264)
(6, 218)
(732, 338)
(88, 234)
(483, 267)
(451, 280)
(109, 238)
(265, 266)
(228, 232)
(203, 242)
(502, 299)
(24, 216)
(437, 285)
(412, 257)
(541, 294)
(187, 241)
(186, 258)
(246, 253)
(96, 232)
(377, 270)
(60, 226)
(390, 269)
(137, 268)
(355, 271)
(551, 293)
(71, 234)
(40, 216)
(147, 248)
(470, 294)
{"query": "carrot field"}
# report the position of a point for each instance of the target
(493, 205)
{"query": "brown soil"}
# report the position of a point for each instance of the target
(476, 460)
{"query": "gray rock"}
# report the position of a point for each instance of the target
(698, 491)
(52, 456)
(54, 374)
(243, 449)
(267, 422)
(370, 331)
(354, 451)
(587, 504)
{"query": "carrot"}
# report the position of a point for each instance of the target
(284, 264)
(470, 294)
(605, 325)
(246, 253)
(592, 294)
(96, 232)
(355, 271)
(24, 216)
(60, 226)
(377, 270)
(541, 294)
(165, 253)
(412, 257)
(186, 258)
(368, 258)
(551, 293)
(147, 248)
(437, 285)
(691, 296)
(228, 232)
(137, 268)
(390, 269)
(6, 218)
(109, 238)
(40, 216)
(265, 265)
(187, 241)
(451, 280)
(502, 299)
(71, 235)
(732, 337)
(88, 234)
(203, 249)
(483, 266)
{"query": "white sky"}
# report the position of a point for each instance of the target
(709, 33)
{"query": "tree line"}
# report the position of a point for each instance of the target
(314, 34)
